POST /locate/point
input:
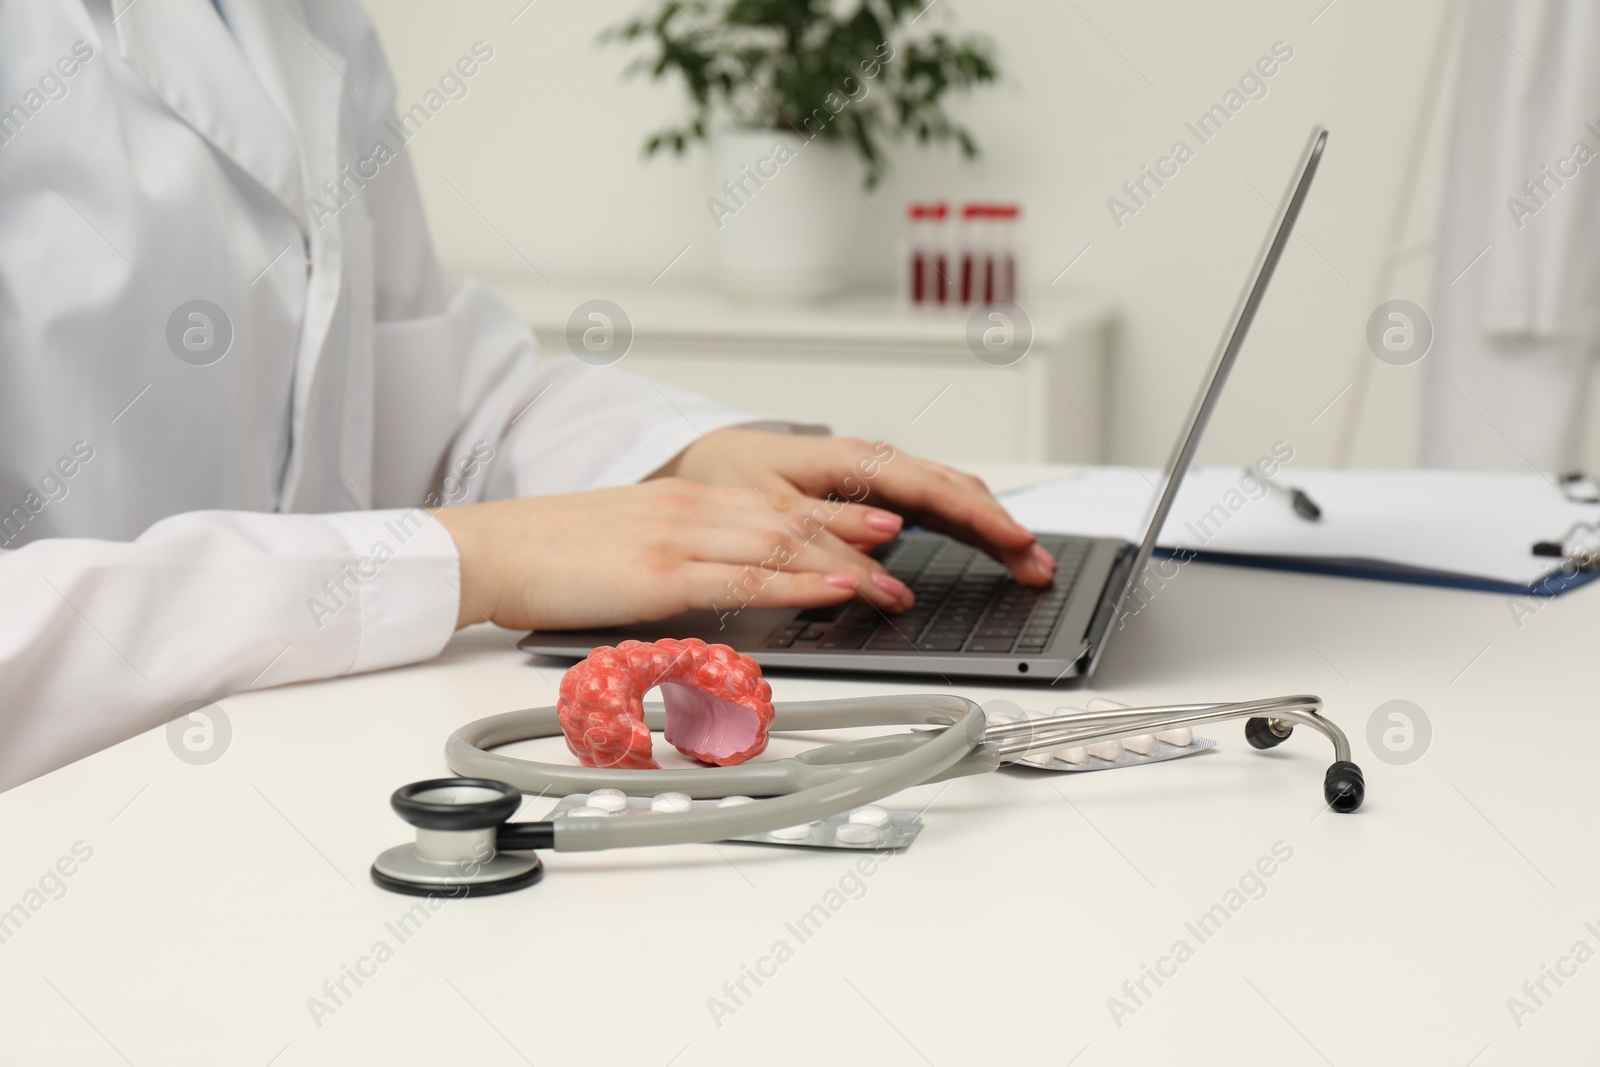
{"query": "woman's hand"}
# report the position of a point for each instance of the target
(652, 550)
(927, 493)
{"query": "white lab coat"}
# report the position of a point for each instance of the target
(1515, 332)
(177, 532)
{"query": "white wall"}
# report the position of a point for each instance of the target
(547, 147)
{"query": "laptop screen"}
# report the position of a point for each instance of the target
(1227, 354)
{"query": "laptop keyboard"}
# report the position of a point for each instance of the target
(966, 602)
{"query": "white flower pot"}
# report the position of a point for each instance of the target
(783, 210)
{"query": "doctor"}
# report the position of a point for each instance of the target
(250, 434)
(1516, 291)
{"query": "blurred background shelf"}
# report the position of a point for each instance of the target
(865, 364)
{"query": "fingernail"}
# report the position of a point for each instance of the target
(890, 584)
(886, 521)
(1044, 559)
(842, 579)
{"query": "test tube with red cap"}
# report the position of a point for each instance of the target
(929, 266)
(988, 269)
(1004, 264)
(972, 277)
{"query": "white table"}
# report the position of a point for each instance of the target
(219, 899)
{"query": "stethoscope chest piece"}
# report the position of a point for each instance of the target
(455, 854)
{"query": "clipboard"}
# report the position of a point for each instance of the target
(1456, 529)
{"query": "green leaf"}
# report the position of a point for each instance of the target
(779, 64)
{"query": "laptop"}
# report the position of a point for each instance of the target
(971, 618)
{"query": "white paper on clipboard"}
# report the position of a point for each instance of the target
(1451, 524)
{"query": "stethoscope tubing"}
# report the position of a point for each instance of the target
(797, 791)
(468, 751)
(867, 783)
(832, 778)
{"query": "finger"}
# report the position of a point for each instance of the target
(857, 470)
(791, 531)
(812, 534)
(830, 555)
(1032, 566)
(725, 587)
(850, 522)
(908, 483)
(949, 503)
(961, 496)
(939, 497)
(764, 553)
(857, 523)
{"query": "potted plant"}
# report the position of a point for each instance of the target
(798, 99)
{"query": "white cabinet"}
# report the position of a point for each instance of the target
(865, 365)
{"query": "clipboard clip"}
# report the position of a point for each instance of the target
(1579, 488)
(1585, 556)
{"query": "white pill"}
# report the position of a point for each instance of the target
(1110, 751)
(1144, 744)
(586, 812)
(729, 802)
(1001, 711)
(854, 833)
(871, 815)
(670, 802)
(608, 793)
(1182, 737)
(608, 801)
(1102, 704)
(792, 833)
(1077, 754)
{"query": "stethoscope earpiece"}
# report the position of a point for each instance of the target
(1267, 733)
(1344, 787)
(457, 853)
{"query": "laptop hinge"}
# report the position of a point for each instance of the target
(1095, 636)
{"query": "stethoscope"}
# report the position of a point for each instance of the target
(466, 845)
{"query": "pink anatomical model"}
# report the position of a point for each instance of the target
(718, 706)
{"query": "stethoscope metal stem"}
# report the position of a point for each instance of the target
(1093, 727)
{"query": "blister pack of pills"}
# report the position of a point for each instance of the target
(1126, 752)
(868, 826)
(1105, 755)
